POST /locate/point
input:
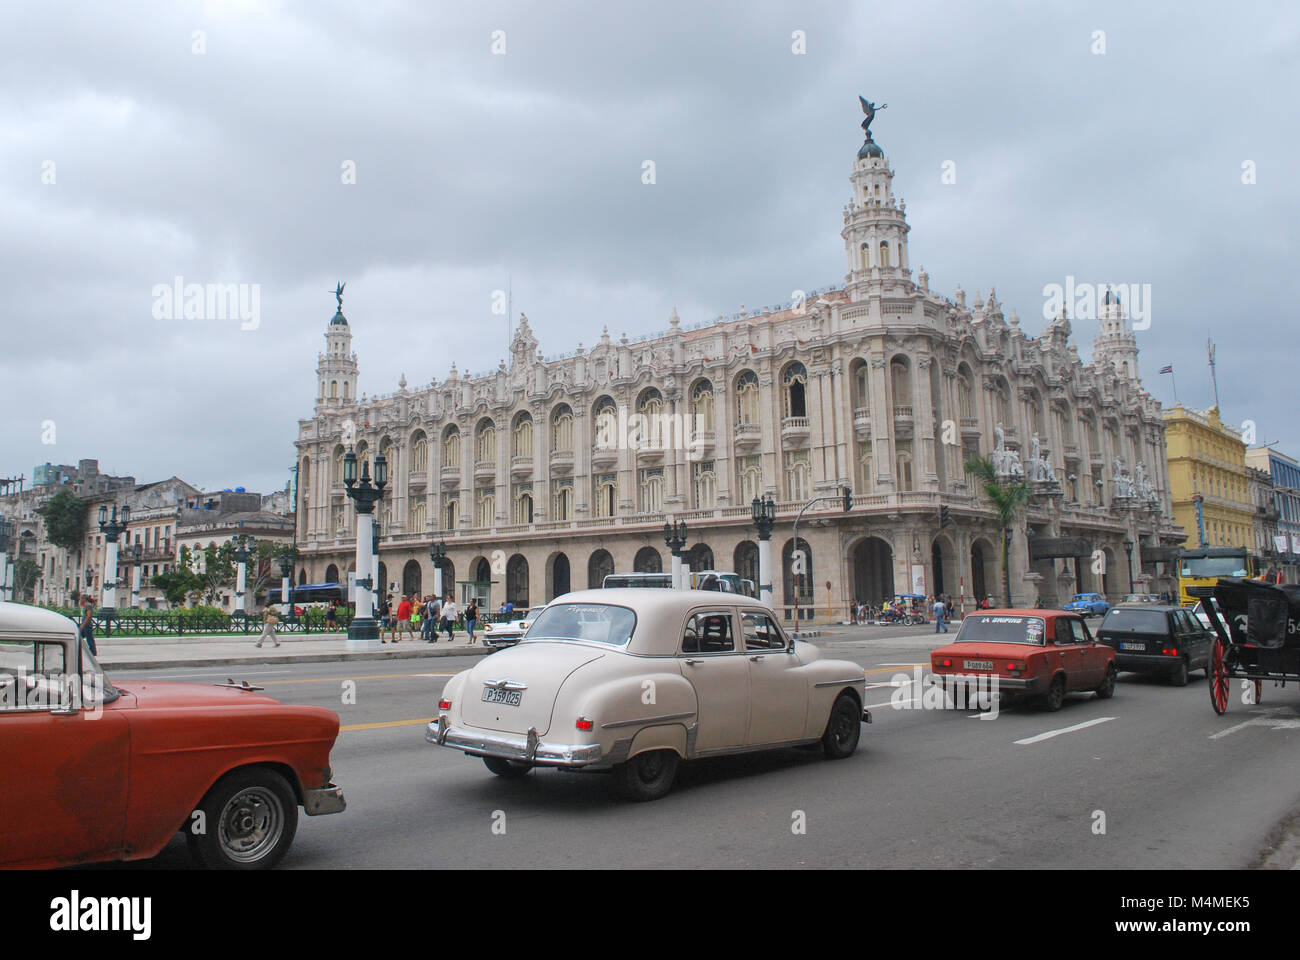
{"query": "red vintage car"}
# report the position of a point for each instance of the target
(1038, 653)
(95, 771)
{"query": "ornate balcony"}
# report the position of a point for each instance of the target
(417, 478)
(450, 477)
(970, 426)
(795, 432)
(704, 440)
(521, 466)
(485, 469)
(862, 422)
(603, 458)
(748, 434)
(561, 462)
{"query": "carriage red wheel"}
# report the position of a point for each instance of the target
(1218, 679)
(1259, 690)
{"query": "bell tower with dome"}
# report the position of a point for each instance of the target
(1115, 345)
(336, 368)
(875, 228)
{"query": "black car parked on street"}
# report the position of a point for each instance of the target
(1157, 639)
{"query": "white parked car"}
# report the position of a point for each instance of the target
(635, 681)
(510, 631)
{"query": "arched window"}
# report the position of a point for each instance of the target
(605, 417)
(750, 477)
(451, 513)
(334, 389)
(866, 469)
(798, 476)
(419, 452)
(884, 254)
(702, 405)
(647, 560)
(562, 501)
(747, 403)
(451, 447)
(794, 392)
(706, 485)
(1002, 398)
(606, 495)
(517, 580)
(486, 442)
(346, 394)
(965, 392)
(562, 428)
(865, 253)
(651, 406)
(599, 566)
(524, 506)
(331, 574)
(339, 453)
(900, 381)
(861, 380)
(486, 507)
(794, 580)
(419, 515)
(523, 436)
(903, 461)
(652, 490)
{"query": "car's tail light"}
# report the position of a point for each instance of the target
(584, 723)
(1170, 651)
(444, 704)
(943, 663)
(1015, 666)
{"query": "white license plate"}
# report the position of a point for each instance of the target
(510, 698)
(977, 664)
(1139, 647)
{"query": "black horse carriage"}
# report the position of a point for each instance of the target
(1258, 628)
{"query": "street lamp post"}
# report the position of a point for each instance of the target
(243, 550)
(1128, 549)
(286, 559)
(798, 557)
(365, 494)
(137, 557)
(675, 538)
(90, 575)
(6, 537)
(111, 527)
(437, 553)
(764, 518)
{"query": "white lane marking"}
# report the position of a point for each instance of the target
(431, 674)
(889, 683)
(902, 664)
(1056, 733)
(1267, 720)
(888, 703)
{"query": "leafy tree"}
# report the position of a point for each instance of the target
(177, 583)
(1006, 498)
(25, 575)
(262, 569)
(65, 519)
(215, 571)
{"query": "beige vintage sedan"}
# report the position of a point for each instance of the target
(634, 681)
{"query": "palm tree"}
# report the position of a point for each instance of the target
(1005, 497)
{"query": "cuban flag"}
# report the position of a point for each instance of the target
(1168, 369)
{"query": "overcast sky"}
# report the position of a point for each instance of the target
(220, 157)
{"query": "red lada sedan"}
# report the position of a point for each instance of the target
(1037, 653)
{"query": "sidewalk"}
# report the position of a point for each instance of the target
(153, 653)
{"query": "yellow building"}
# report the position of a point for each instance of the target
(1208, 458)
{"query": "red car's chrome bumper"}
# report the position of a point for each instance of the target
(319, 801)
(981, 681)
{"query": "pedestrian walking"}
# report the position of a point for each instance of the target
(88, 623)
(402, 622)
(939, 611)
(449, 614)
(270, 619)
(429, 619)
(332, 615)
(471, 618)
(384, 620)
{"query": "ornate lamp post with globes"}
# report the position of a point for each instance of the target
(675, 537)
(764, 519)
(111, 528)
(438, 554)
(364, 493)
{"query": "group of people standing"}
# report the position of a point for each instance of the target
(429, 617)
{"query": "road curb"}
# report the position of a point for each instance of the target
(1282, 849)
(289, 658)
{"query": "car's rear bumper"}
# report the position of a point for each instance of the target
(985, 681)
(530, 749)
(318, 801)
(1146, 662)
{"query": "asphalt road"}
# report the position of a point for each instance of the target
(1178, 786)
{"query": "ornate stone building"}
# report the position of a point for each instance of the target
(547, 474)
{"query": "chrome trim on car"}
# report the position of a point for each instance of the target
(661, 719)
(319, 801)
(618, 752)
(505, 683)
(530, 749)
(982, 679)
(753, 748)
(836, 683)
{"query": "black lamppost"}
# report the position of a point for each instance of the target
(6, 538)
(364, 494)
(286, 559)
(1128, 549)
(764, 512)
(438, 554)
(111, 528)
(675, 537)
(244, 546)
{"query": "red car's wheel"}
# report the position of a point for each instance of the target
(1218, 679)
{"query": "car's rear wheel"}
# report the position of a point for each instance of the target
(510, 769)
(1179, 677)
(1055, 695)
(1107, 688)
(843, 728)
(248, 822)
(647, 776)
